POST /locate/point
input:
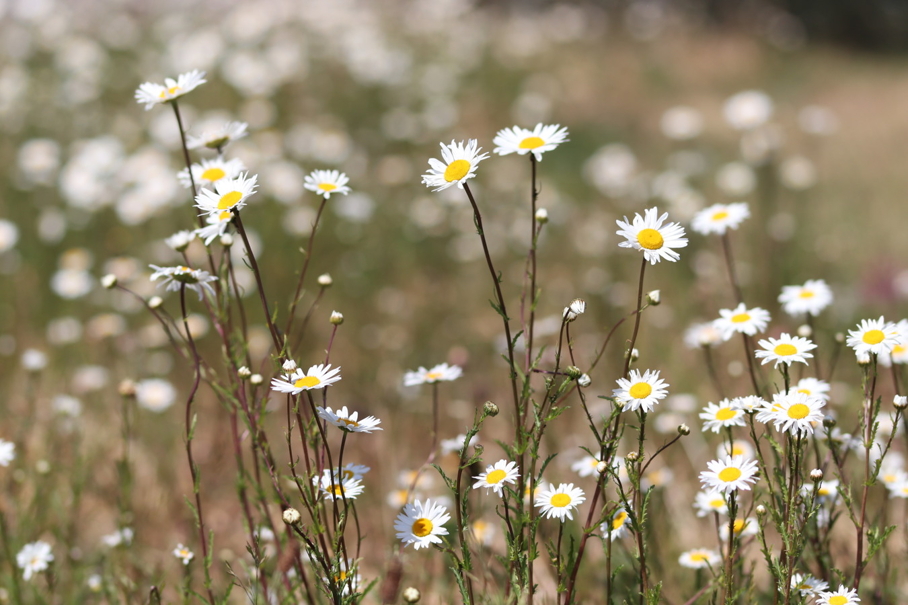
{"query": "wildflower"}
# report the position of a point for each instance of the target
(217, 139)
(648, 235)
(7, 452)
(899, 352)
(421, 524)
(411, 595)
(496, 475)
(653, 298)
(616, 528)
(460, 161)
(748, 109)
(289, 365)
(794, 412)
(721, 415)
(33, 558)
(94, 582)
(209, 172)
(710, 502)
(742, 527)
(316, 377)
(574, 310)
(326, 182)
(900, 402)
(217, 226)
(702, 335)
(750, 403)
(183, 553)
(739, 447)
(336, 319)
(729, 475)
(584, 380)
(742, 320)
(544, 137)
(681, 123)
(345, 577)
(291, 516)
(33, 360)
(587, 466)
(640, 391)
(347, 421)
(325, 280)
(352, 471)
(482, 531)
(155, 394)
(455, 445)
(109, 281)
(807, 584)
(811, 298)
(842, 596)
(560, 501)
(228, 194)
(826, 490)
(180, 277)
(718, 218)
(121, 536)
(180, 240)
(785, 349)
(336, 488)
(873, 336)
(437, 373)
(813, 387)
(541, 216)
(153, 94)
(699, 558)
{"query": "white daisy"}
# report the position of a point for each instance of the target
(217, 226)
(180, 240)
(559, 501)
(750, 403)
(228, 194)
(899, 352)
(326, 182)
(702, 335)
(718, 218)
(743, 528)
(347, 421)
(748, 109)
(352, 471)
(648, 235)
(741, 320)
(544, 137)
(813, 387)
(827, 491)
(339, 489)
(34, 557)
(183, 553)
(496, 475)
(794, 412)
(842, 596)
(178, 277)
(873, 336)
(807, 584)
(455, 445)
(739, 447)
(811, 298)
(586, 466)
(420, 524)
(640, 391)
(7, 452)
(345, 577)
(709, 502)
(211, 171)
(699, 558)
(153, 94)
(437, 373)
(316, 377)
(615, 528)
(785, 349)
(218, 138)
(459, 165)
(483, 531)
(730, 474)
(721, 415)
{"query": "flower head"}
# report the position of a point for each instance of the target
(616, 527)
(326, 182)
(730, 474)
(587, 466)
(7, 452)
(741, 320)
(217, 226)
(316, 377)
(153, 94)
(785, 349)
(183, 553)
(220, 137)
(702, 335)
(718, 218)
(842, 596)
(347, 421)
(180, 277)
(496, 476)
(211, 171)
(33, 558)
(873, 336)
(747, 109)
(808, 585)
(813, 387)
(559, 501)
(345, 577)
(338, 488)
(793, 411)
(544, 137)
(721, 415)
(647, 234)
(228, 194)
(459, 165)
(811, 298)
(699, 558)
(437, 373)
(421, 524)
(640, 391)
(742, 528)
(709, 502)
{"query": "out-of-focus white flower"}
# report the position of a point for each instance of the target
(220, 137)
(33, 558)
(747, 109)
(152, 94)
(155, 394)
(34, 360)
(736, 179)
(682, 123)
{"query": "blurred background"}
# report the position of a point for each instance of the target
(370, 88)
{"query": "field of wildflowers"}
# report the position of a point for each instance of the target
(421, 301)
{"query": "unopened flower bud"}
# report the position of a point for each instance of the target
(584, 380)
(601, 467)
(542, 216)
(573, 372)
(816, 475)
(411, 595)
(683, 429)
(635, 354)
(109, 281)
(829, 422)
(761, 510)
(863, 359)
(337, 318)
(632, 456)
(127, 388)
(256, 379)
(289, 365)
(574, 310)
(244, 372)
(291, 516)
(324, 280)
(900, 402)
(227, 240)
(805, 331)
(155, 301)
(490, 409)
(839, 337)
(653, 298)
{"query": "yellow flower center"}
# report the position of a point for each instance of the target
(822, 492)
(725, 414)
(740, 318)
(737, 450)
(838, 600)
(327, 186)
(699, 556)
(531, 143)
(422, 528)
(341, 577)
(456, 170)
(729, 474)
(898, 349)
(798, 411)
(433, 375)
(307, 382)
(806, 294)
(641, 390)
(228, 200)
(619, 519)
(347, 474)
(785, 349)
(650, 239)
(720, 215)
(225, 215)
(495, 476)
(805, 391)
(873, 337)
(337, 490)
(213, 174)
(561, 500)
(740, 524)
(169, 91)
(349, 422)
(717, 503)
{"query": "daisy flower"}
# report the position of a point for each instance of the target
(811, 298)
(345, 577)
(339, 489)
(455, 445)
(217, 226)
(710, 502)
(326, 182)
(743, 528)
(807, 584)
(420, 524)
(794, 412)
(437, 373)
(739, 447)
(640, 391)
(842, 596)
(729, 475)
(748, 109)
(179, 277)
(545, 137)
(826, 491)
(873, 336)
(742, 320)
(647, 234)
(898, 490)
(617, 527)
(699, 558)
(813, 387)
(347, 421)
(153, 94)
(211, 171)
(750, 403)
(559, 501)
(352, 471)
(899, 352)
(34, 557)
(218, 138)
(182, 552)
(586, 466)
(7, 452)
(482, 531)
(459, 165)
(721, 415)
(180, 240)
(496, 476)
(228, 194)
(718, 218)
(785, 349)
(316, 377)
(702, 335)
